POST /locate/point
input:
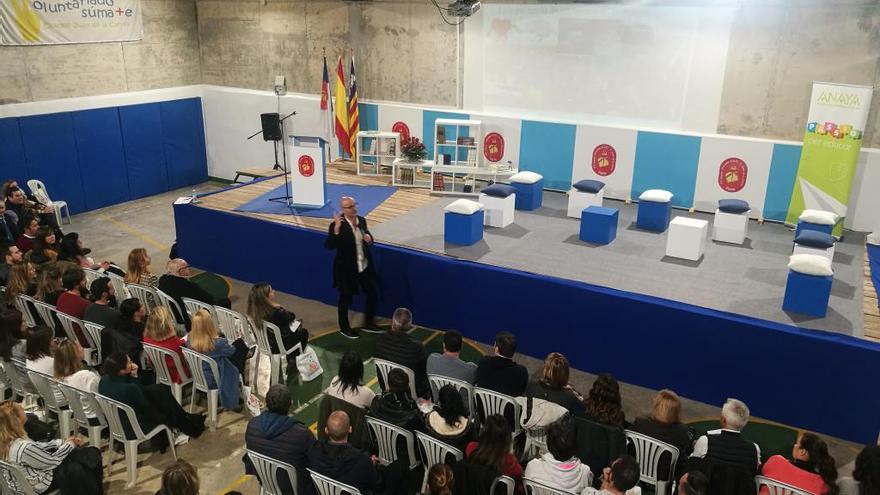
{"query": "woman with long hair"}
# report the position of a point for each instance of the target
(262, 307)
(230, 358)
(139, 269)
(865, 478)
(492, 448)
(45, 247)
(440, 480)
(68, 367)
(449, 422)
(603, 403)
(348, 384)
(811, 467)
(13, 335)
(664, 424)
(180, 478)
(22, 280)
(49, 465)
(553, 385)
(49, 285)
(161, 331)
(40, 345)
(127, 334)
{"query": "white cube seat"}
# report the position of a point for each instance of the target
(730, 227)
(825, 253)
(578, 200)
(499, 211)
(686, 238)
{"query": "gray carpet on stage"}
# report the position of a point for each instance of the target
(748, 279)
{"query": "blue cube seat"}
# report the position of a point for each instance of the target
(463, 222)
(807, 294)
(598, 224)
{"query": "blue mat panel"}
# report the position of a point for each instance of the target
(183, 140)
(703, 354)
(367, 197)
(667, 161)
(101, 157)
(50, 148)
(144, 151)
(548, 149)
(12, 152)
(780, 183)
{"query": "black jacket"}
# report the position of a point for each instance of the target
(400, 348)
(345, 269)
(397, 410)
(345, 464)
(282, 438)
(180, 287)
(502, 375)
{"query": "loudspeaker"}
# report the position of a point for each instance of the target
(271, 123)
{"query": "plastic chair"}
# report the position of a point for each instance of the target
(85, 408)
(157, 357)
(19, 369)
(47, 314)
(91, 275)
(22, 388)
(21, 304)
(233, 325)
(118, 285)
(176, 312)
(267, 473)
(13, 480)
(192, 307)
(93, 332)
(466, 389)
(114, 411)
(200, 382)
(778, 488)
(329, 486)
(146, 295)
(434, 451)
(54, 401)
(648, 453)
(489, 402)
(38, 189)
(383, 367)
(537, 488)
(507, 481)
(385, 436)
(92, 352)
(276, 375)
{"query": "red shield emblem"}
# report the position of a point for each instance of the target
(732, 175)
(402, 128)
(604, 160)
(493, 147)
(306, 166)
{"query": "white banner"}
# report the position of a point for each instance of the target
(48, 22)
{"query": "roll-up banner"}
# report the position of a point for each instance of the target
(832, 140)
(48, 22)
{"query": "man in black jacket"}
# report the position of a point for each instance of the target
(176, 283)
(500, 372)
(279, 436)
(353, 268)
(338, 460)
(398, 347)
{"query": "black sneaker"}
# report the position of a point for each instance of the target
(373, 328)
(349, 334)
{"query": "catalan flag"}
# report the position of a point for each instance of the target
(340, 105)
(354, 125)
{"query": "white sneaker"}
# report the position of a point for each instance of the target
(181, 439)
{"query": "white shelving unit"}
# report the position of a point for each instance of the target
(461, 141)
(377, 152)
(410, 174)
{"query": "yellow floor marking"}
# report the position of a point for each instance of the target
(133, 231)
(241, 479)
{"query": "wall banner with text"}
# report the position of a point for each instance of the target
(48, 22)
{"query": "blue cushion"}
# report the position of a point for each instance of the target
(733, 206)
(589, 185)
(498, 190)
(814, 239)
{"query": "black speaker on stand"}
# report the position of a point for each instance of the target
(271, 124)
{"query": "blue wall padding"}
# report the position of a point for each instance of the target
(184, 142)
(780, 184)
(144, 150)
(548, 149)
(428, 118)
(101, 157)
(703, 354)
(368, 116)
(12, 152)
(50, 149)
(667, 161)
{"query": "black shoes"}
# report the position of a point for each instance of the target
(349, 334)
(373, 328)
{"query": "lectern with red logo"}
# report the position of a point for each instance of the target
(308, 181)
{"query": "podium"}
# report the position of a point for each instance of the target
(308, 163)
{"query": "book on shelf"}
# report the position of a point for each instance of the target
(438, 183)
(441, 134)
(465, 141)
(406, 176)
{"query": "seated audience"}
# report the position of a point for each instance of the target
(22, 205)
(499, 372)
(693, 483)
(276, 434)
(8, 225)
(181, 478)
(9, 255)
(449, 363)
(153, 404)
(13, 336)
(161, 331)
(45, 248)
(553, 385)
(449, 422)
(440, 480)
(230, 359)
(865, 479)
(51, 465)
(103, 308)
(126, 335)
(49, 287)
(492, 449)
(139, 269)
(71, 250)
(22, 280)
(603, 403)
(28, 237)
(398, 347)
(560, 468)
(176, 283)
(348, 384)
(727, 444)
(337, 459)
(72, 301)
(40, 346)
(621, 478)
(664, 424)
(262, 307)
(68, 370)
(396, 406)
(811, 467)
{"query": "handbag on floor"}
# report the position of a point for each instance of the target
(308, 365)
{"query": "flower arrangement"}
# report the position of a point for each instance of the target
(413, 150)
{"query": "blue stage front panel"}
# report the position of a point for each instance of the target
(101, 157)
(12, 152)
(144, 150)
(703, 354)
(183, 138)
(51, 152)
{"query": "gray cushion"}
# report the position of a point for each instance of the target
(814, 239)
(589, 185)
(498, 190)
(733, 206)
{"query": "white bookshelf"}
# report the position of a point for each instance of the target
(412, 174)
(461, 141)
(377, 152)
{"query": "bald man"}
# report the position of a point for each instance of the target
(176, 283)
(353, 269)
(337, 459)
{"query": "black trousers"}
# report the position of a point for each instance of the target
(366, 282)
(80, 473)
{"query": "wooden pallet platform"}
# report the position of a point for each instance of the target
(872, 313)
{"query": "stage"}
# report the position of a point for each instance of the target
(623, 308)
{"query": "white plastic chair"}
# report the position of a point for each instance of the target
(85, 408)
(383, 367)
(146, 295)
(195, 360)
(22, 387)
(648, 453)
(92, 351)
(114, 412)
(439, 381)
(778, 488)
(118, 285)
(47, 314)
(93, 331)
(54, 401)
(385, 436)
(233, 325)
(537, 488)
(267, 473)
(489, 402)
(21, 304)
(176, 312)
(329, 486)
(193, 306)
(38, 189)
(275, 375)
(13, 480)
(157, 356)
(434, 451)
(507, 481)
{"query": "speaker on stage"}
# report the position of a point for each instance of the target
(271, 123)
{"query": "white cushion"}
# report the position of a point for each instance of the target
(656, 195)
(526, 177)
(819, 217)
(874, 239)
(810, 264)
(463, 207)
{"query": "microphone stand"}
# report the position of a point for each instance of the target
(287, 198)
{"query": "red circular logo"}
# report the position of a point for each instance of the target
(493, 147)
(732, 174)
(306, 166)
(402, 128)
(604, 160)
